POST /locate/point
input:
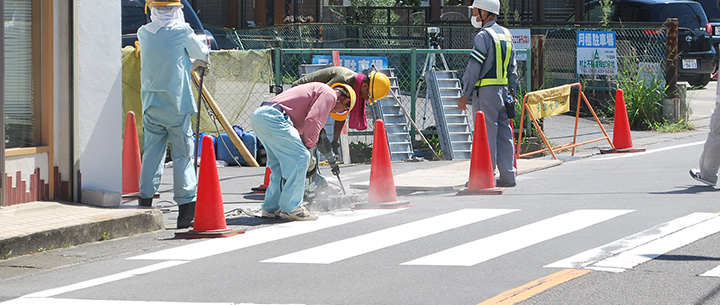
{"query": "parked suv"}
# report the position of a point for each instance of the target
(133, 17)
(713, 14)
(695, 46)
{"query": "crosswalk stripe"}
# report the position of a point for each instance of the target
(591, 256)
(255, 237)
(651, 250)
(481, 250)
(347, 248)
(714, 272)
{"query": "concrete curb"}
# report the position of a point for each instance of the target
(74, 225)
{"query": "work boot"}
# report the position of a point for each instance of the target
(145, 202)
(186, 213)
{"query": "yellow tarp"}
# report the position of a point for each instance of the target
(549, 102)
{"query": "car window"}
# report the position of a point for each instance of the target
(711, 9)
(133, 16)
(689, 15)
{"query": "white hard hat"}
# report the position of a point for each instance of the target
(492, 6)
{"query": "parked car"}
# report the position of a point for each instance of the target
(713, 13)
(133, 17)
(695, 46)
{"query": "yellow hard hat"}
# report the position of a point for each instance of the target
(379, 86)
(163, 3)
(343, 116)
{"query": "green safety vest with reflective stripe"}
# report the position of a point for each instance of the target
(503, 42)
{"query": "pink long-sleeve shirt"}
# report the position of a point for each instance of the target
(308, 107)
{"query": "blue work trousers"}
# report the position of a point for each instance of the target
(159, 126)
(287, 157)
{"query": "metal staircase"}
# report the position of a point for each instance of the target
(396, 124)
(452, 124)
(310, 68)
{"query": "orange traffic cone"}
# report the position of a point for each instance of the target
(482, 174)
(381, 194)
(131, 162)
(622, 139)
(263, 187)
(209, 210)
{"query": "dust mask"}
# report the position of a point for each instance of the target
(475, 23)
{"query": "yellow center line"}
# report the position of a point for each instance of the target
(535, 287)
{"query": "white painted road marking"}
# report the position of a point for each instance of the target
(636, 256)
(104, 279)
(255, 237)
(347, 248)
(714, 272)
(605, 251)
(647, 152)
(481, 250)
(53, 301)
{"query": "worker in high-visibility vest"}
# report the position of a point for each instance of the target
(490, 77)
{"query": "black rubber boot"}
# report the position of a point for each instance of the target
(186, 213)
(145, 202)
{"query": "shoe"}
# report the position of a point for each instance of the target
(266, 214)
(300, 213)
(499, 183)
(695, 173)
(186, 213)
(145, 202)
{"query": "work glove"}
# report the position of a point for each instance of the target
(335, 147)
(198, 64)
(334, 167)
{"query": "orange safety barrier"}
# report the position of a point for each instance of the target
(549, 102)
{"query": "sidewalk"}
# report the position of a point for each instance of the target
(39, 226)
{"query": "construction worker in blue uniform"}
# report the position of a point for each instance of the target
(167, 45)
(490, 77)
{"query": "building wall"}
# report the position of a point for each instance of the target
(98, 100)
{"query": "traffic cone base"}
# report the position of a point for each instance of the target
(209, 210)
(621, 150)
(259, 190)
(384, 205)
(209, 233)
(131, 196)
(487, 191)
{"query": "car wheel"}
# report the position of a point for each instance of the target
(699, 80)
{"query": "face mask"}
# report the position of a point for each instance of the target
(475, 23)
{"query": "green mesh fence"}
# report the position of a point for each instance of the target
(239, 79)
(408, 65)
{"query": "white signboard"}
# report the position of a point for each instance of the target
(521, 41)
(596, 53)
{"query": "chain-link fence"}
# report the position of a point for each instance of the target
(239, 80)
(408, 65)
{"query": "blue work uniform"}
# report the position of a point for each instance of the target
(490, 76)
(168, 105)
(288, 125)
